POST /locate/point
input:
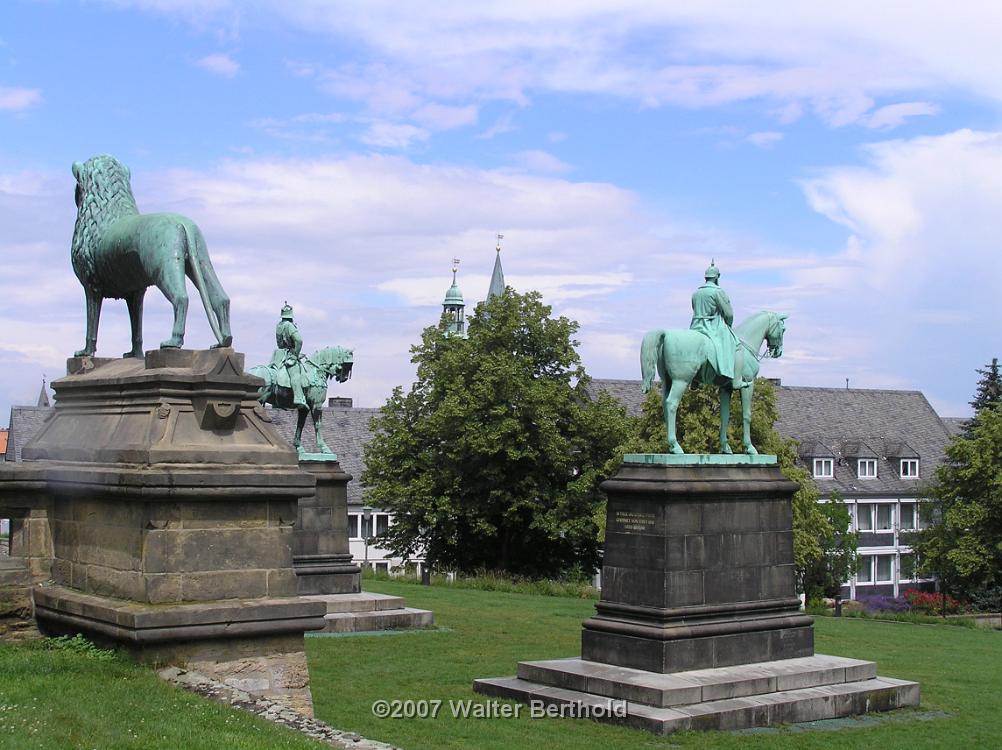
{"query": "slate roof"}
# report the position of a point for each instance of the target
(346, 430)
(627, 392)
(846, 424)
(890, 424)
(25, 422)
(955, 425)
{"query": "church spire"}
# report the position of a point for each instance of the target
(43, 395)
(497, 278)
(454, 307)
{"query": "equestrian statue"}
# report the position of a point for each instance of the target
(294, 381)
(118, 252)
(713, 352)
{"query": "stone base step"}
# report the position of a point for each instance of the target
(695, 686)
(363, 601)
(765, 709)
(403, 618)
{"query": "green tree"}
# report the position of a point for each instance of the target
(825, 575)
(492, 459)
(962, 546)
(698, 428)
(988, 392)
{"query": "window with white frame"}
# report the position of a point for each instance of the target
(885, 517)
(353, 526)
(864, 574)
(908, 517)
(864, 517)
(866, 468)
(885, 568)
(824, 468)
(909, 468)
(382, 523)
(906, 567)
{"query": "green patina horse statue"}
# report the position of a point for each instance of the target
(680, 356)
(330, 362)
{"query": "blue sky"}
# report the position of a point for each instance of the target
(842, 164)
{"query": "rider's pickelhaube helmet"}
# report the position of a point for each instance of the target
(287, 312)
(712, 272)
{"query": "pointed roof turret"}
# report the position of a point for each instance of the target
(454, 307)
(43, 395)
(497, 277)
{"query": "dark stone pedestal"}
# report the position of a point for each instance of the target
(171, 504)
(321, 558)
(699, 625)
(698, 570)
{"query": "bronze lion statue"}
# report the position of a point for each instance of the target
(118, 252)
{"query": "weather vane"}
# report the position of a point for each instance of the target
(500, 237)
(455, 267)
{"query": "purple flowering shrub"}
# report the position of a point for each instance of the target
(877, 603)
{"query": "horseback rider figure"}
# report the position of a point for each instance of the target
(287, 358)
(712, 315)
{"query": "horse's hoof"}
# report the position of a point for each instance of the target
(133, 354)
(84, 353)
(170, 345)
(726, 450)
(750, 450)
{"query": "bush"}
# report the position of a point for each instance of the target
(876, 603)
(931, 603)
(987, 599)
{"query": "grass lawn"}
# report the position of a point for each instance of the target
(487, 633)
(78, 699)
(65, 699)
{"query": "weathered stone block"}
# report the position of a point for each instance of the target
(230, 584)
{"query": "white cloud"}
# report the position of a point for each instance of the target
(537, 160)
(15, 99)
(765, 139)
(393, 135)
(835, 61)
(443, 117)
(219, 64)
(893, 115)
(924, 217)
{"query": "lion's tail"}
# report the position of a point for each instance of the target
(214, 299)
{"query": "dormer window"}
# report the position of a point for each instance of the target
(909, 468)
(824, 468)
(866, 468)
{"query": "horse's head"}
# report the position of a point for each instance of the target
(335, 361)
(774, 334)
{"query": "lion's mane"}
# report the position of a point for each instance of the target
(104, 195)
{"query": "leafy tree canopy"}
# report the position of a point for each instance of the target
(493, 458)
(987, 393)
(963, 544)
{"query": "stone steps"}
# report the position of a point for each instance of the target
(365, 611)
(750, 695)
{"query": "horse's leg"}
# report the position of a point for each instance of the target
(135, 305)
(746, 403)
(725, 418)
(93, 318)
(318, 416)
(297, 441)
(672, 399)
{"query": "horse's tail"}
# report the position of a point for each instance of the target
(650, 353)
(263, 372)
(200, 269)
